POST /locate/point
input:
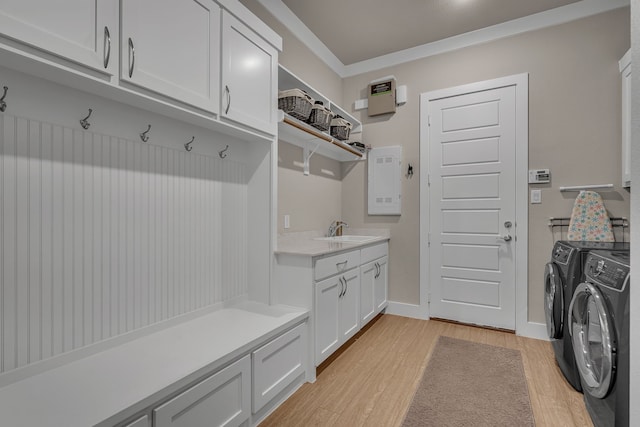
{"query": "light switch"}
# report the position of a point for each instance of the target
(536, 196)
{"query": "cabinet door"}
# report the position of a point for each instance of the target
(82, 31)
(381, 284)
(178, 58)
(350, 305)
(368, 274)
(277, 364)
(626, 124)
(223, 399)
(327, 302)
(249, 77)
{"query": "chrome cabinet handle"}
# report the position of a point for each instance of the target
(341, 265)
(106, 46)
(377, 270)
(226, 89)
(132, 57)
(341, 287)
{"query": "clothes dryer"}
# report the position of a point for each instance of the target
(599, 325)
(562, 275)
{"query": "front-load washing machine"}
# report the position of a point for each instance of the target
(562, 275)
(599, 325)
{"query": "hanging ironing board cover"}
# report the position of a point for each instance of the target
(589, 219)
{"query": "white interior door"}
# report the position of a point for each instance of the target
(472, 164)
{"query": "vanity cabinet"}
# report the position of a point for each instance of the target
(177, 58)
(344, 289)
(337, 301)
(249, 77)
(83, 32)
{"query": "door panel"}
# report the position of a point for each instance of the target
(472, 207)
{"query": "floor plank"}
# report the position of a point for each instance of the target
(372, 381)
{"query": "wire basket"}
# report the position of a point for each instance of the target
(320, 117)
(296, 103)
(340, 128)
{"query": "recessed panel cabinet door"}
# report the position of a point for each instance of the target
(223, 399)
(327, 305)
(82, 31)
(368, 274)
(173, 48)
(249, 77)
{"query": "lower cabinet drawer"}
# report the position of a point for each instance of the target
(334, 264)
(223, 399)
(277, 364)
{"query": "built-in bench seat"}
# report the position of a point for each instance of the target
(115, 384)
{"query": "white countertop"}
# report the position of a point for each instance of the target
(305, 243)
(92, 390)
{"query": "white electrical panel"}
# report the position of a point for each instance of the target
(539, 176)
(385, 180)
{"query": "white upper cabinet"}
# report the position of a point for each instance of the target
(81, 31)
(173, 48)
(249, 77)
(625, 71)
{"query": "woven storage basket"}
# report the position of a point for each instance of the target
(320, 117)
(340, 128)
(296, 103)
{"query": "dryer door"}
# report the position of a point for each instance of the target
(553, 300)
(593, 337)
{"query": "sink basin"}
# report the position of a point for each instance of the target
(347, 239)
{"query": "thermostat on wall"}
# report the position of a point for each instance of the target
(539, 176)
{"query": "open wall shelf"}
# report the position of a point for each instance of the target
(303, 135)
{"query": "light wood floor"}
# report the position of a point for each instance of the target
(371, 383)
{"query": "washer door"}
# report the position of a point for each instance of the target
(593, 337)
(553, 301)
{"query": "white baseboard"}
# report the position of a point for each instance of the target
(529, 330)
(534, 330)
(407, 310)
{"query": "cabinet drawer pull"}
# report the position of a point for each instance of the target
(106, 46)
(341, 287)
(132, 57)
(341, 265)
(377, 270)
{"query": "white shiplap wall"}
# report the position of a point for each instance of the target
(101, 235)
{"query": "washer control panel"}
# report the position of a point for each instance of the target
(606, 272)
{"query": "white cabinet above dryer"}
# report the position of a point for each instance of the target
(625, 72)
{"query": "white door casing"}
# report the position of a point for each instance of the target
(475, 149)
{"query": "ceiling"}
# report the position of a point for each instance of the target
(357, 30)
(356, 36)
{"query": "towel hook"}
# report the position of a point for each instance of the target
(3, 105)
(143, 136)
(84, 123)
(222, 153)
(188, 146)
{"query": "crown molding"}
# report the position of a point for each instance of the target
(560, 15)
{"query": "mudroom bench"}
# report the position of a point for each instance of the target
(237, 363)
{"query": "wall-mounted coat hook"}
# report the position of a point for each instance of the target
(188, 146)
(410, 171)
(3, 104)
(84, 123)
(143, 136)
(222, 153)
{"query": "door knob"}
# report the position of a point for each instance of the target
(506, 238)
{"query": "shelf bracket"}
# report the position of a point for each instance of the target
(306, 155)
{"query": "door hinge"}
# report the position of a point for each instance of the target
(429, 121)
(428, 240)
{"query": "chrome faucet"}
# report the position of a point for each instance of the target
(335, 226)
